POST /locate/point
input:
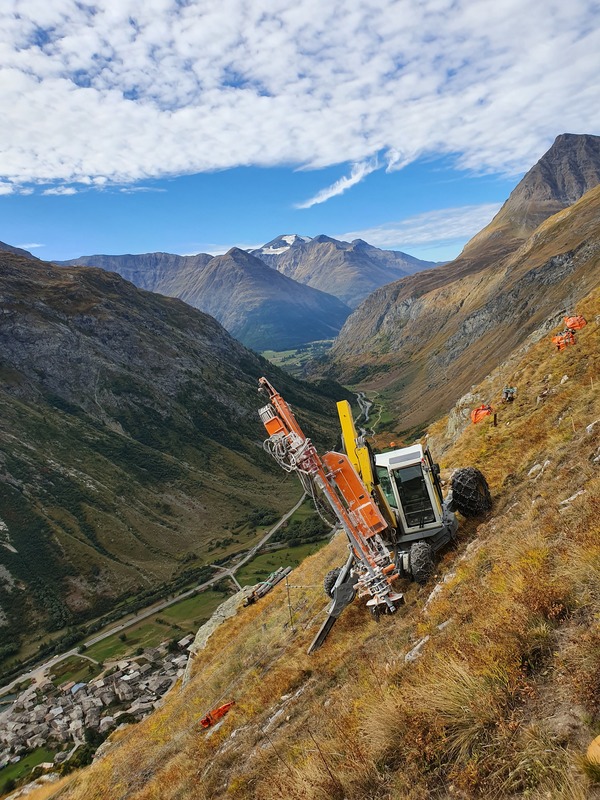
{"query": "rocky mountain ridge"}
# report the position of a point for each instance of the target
(317, 281)
(348, 270)
(259, 306)
(425, 337)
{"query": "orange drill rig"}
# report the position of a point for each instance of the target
(370, 568)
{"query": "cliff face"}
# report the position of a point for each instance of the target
(426, 337)
(129, 440)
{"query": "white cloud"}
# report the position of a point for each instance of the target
(220, 249)
(442, 227)
(142, 189)
(359, 171)
(61, 190)
(30, 246)
(130, 91)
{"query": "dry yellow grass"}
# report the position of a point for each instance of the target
(505, 696)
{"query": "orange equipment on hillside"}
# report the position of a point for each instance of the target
(575, 323)
(215, 715)
(564, 339)
(480, 413)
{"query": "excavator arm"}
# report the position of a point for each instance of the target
(345, 492)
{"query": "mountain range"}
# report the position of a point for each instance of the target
(128, 435)
(348, 270)
(304, 294)
(423, 339)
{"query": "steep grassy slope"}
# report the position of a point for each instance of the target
(129, 443)
(424, 345)
(504, 696)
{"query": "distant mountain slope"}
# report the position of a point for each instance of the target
(428, 336)
(348, 270)
(260, 307)
(164, 273)
(8, 248)
(129, 441)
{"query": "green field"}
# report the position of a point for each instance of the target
(14, 772)
(177, 620)
(263, 565)
(294, 361)
(74, 669)
(307, 509)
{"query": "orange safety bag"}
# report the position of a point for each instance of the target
(215, 715)
(480, 413)
(575, 323)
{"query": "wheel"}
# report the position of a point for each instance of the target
(421, 561)
(470, 492)
(330, 579)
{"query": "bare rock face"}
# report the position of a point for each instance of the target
(348, 270)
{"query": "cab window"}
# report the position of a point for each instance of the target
(386, 486)
(414, 497)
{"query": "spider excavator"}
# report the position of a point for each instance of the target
(390, 506)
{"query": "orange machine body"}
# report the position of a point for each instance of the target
(342, 487)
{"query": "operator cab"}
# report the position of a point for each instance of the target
(409, 481)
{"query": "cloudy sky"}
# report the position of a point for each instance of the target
(195, 125)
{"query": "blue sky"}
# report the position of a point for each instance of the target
(195, 126)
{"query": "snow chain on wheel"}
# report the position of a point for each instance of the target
(470, 492)
(330, 579)
(421, 561)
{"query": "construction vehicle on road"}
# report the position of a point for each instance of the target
(390, 505)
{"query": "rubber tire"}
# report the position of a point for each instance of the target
(470, 492)
(330, 579)
(421, 561)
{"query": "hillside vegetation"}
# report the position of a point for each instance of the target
(130, 447)
(502, 695)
